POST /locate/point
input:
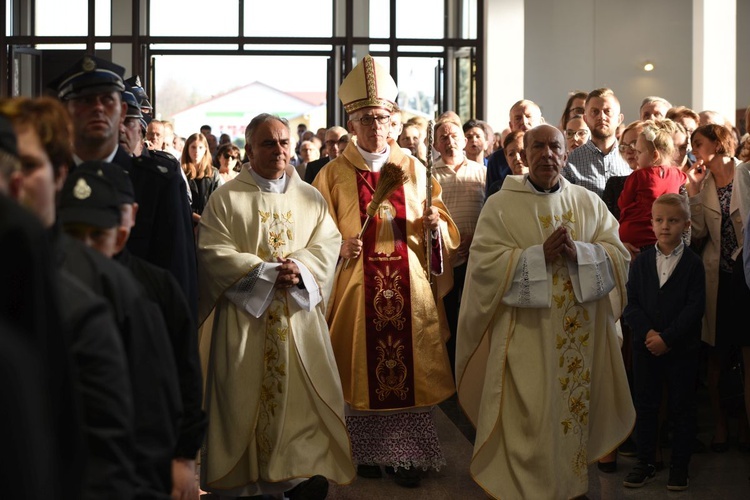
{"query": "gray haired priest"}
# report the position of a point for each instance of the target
(267, 250)
(385, 324)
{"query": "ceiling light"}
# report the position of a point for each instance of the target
(649, 66)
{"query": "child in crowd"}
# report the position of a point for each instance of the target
(666, 299)
(655, 176)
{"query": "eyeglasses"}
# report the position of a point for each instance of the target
(580, 134)
(368, 120)
(576, 111)
(624, 148)
(228, 156)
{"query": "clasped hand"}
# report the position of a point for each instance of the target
(559, 242)
(288, 274)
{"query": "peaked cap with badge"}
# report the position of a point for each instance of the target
(134, 83)
(89, 198)
(89, 75)
(117, 175)
(368, 85)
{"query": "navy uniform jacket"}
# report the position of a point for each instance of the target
(105, 392)
(36, 366)
(163, 232)
(161, 287)
(675, 309)
(153, 376)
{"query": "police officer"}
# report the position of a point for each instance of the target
(92, 92)
(89, 200)
(161, 287)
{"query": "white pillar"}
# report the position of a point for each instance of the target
(715, 56)
(503, 59)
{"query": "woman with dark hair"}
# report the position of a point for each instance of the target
(229, 161)
(574, 107)
(717, 225)
(203, 178)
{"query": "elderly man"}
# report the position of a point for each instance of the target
(538, 363)
(654, 108)
(524, 115)
(336, 139)
(163, 235)
(462, 181)
(267, 250)
(591, 164)
(383, 315)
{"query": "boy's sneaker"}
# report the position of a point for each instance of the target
(640, 475)
(678, 479)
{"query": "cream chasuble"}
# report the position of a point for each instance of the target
(273, 393)
(538, 364)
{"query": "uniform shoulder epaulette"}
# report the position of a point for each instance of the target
(158, 161)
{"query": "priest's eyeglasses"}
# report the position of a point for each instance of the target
(368, 120)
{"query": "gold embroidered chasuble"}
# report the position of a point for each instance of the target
(341, 182)
(273, 393)
(545, 386)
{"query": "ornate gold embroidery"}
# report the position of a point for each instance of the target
(575, 376)
(279, 231)
(274, 376)
(389, 301)
(391, 370)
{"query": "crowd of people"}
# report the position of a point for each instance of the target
(262, 323)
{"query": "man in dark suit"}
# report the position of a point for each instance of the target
(336, 140)
(91, 90)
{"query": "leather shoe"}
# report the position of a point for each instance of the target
(408, 478)
(369, 471)
(315, 488)
(719, 447)
(608, 467)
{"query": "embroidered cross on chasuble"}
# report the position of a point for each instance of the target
(390, 357)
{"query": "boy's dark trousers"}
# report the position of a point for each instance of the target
(678, 370)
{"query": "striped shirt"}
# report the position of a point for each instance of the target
(589, 167)
(463, 194)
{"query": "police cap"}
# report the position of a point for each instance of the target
(88, 198)
(89, 75)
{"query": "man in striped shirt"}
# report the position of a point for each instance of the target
(463, 183)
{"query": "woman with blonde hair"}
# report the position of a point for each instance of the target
(202, 177)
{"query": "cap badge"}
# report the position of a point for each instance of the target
(81, 190)
(88, 64)
(138, 81)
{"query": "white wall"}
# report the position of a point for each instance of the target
(586, 44)
(743, 53)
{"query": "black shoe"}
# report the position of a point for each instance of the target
(315, 488)
(608, 467)
(719, 447)
(640, 475)
(390, 470)
(699, 446)
(678, 479)
(369, 471)
(408, 478)
(628, 448)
